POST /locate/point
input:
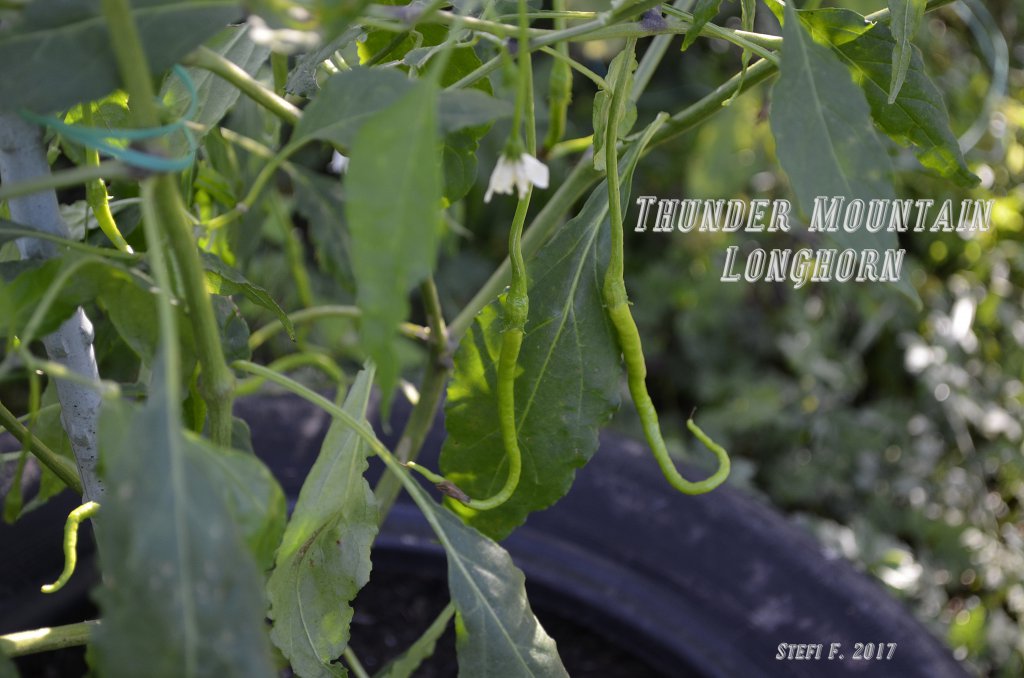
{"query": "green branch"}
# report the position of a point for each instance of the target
(61, 467)
(47, 639)
(217, 386)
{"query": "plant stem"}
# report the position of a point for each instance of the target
(353, 663)
(9, 228)
(23, 159)
(263, 334)
(47, 639)
(60, 466)
(221, 66)
(653, 55)
(421, 419)
(110, 169)
(581, 178)
(217, 385)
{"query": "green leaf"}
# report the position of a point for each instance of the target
(825, 140)
(703, 12)
(906, 19)
(622, 66)
(234, 331)
(214, 95)
(319, 199)
(49, 429)
(324, 559)
(347, 101)
(394, 213)
(462, 108)
(181, 594)
(66, 42)
(568, 386)
(132, 310)
(350, 98)
(222, 279)
(302, 78)
(497, 633)
(918, 116)
(406, 664)
(252, 495)
(460, 151)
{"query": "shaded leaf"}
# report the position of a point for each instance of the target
(460, 151)
(568, 386)
(214, 95)
(222, 279)
(324, 558)
(66, 42)
(906, 16)
(497, 633)
(181, 595)
(250, 491)
(234, 331)
(393, 186)
(302, 78)
(348, 100)
(405, 665)
(319, 200)
(351, 98)
(703, 12)
(918, 117)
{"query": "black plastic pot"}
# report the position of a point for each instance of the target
(631, 578)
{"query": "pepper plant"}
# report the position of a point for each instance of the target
(149, 118)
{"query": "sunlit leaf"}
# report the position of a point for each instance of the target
(324, 558)
(906, 16)
(918, 116)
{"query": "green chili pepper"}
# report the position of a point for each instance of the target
(559, 85)
(83, 512)
(617, 303)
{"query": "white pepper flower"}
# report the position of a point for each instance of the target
(522, 172)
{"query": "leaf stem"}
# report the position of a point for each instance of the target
(60, 466)
(221, 66)
(47, 639)
(274, 327)
(353, 663)
(421, 419)
(77, 176)
(162, 202)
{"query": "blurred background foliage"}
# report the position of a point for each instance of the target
(894, 435)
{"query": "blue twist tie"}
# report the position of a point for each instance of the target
(99, 138)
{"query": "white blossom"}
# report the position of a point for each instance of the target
(521, 172)
(338, 164)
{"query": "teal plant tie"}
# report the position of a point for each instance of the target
(101, 138)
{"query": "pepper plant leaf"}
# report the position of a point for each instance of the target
(324, 558)
(906, 19)
(170, 605)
